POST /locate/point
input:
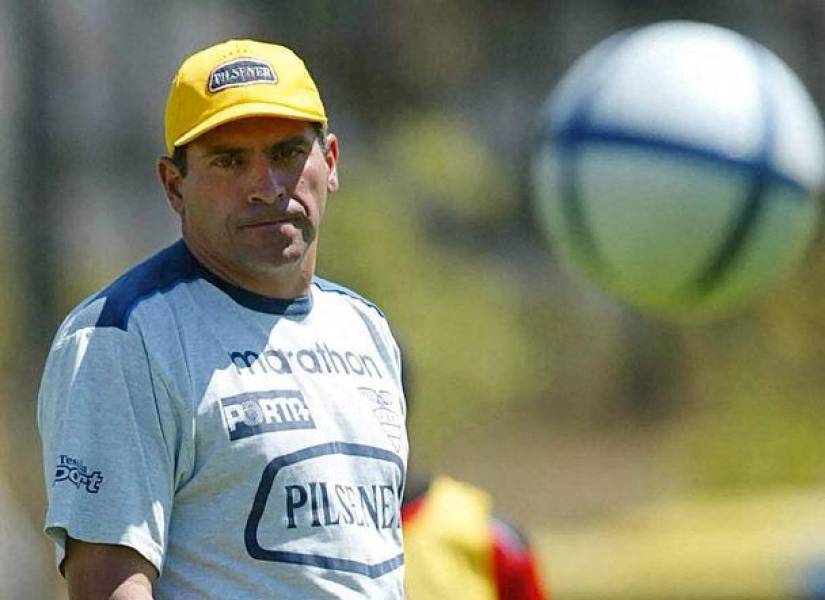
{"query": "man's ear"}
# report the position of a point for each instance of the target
(171, 178)
(331, 157)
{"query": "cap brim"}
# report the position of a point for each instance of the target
(242, 111)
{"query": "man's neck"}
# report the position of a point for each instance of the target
(284, 282)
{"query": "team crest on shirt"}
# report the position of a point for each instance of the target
(385, 410)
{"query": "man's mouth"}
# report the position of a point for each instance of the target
(294, 219)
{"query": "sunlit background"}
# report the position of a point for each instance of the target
(646, 460)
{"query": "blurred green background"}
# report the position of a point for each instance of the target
(646, 459)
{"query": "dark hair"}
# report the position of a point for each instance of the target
(320, 133)
(178, 157)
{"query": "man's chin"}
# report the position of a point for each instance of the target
(281, 260)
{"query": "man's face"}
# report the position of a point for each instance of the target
(253, 197)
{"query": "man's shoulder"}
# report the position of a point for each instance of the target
(113, 305)
(330, 287)
(157, 274)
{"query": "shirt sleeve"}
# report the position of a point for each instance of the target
(109, 440)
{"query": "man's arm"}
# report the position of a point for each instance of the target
(107, 572)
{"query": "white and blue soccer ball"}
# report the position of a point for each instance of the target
(680, 167)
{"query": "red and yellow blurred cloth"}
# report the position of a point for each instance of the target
(455, 547)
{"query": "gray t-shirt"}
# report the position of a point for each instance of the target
(247, 447)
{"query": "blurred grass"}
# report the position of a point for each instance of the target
(747, 547)
(754, 442)
(755, 418)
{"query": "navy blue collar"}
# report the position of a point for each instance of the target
(173, 266)
(288, 307)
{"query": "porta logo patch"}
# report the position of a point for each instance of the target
(240, 72)
(254, 413)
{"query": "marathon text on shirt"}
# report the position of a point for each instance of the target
(321, 360)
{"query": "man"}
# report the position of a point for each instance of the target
(219, 422)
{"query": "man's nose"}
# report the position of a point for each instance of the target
(267, 185)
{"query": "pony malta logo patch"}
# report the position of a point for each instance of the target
(240, 72)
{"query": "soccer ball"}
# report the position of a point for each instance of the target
(678, 168)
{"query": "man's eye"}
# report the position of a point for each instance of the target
(226, 161)
(290, 153)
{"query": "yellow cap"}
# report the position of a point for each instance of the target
(237, 79)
